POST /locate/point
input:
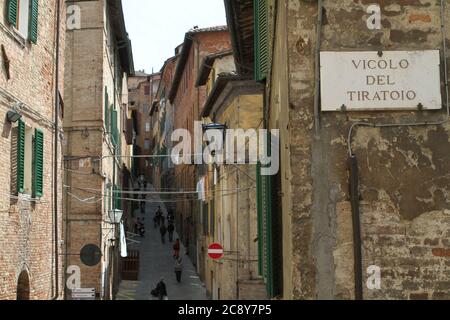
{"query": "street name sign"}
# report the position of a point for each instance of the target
(83, 294)
(387, 80)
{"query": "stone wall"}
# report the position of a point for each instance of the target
(403, 170)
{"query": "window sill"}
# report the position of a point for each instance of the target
(27, 197)
(15, 35)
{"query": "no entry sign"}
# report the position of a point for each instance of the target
(215, 251)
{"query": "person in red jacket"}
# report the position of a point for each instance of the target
(176, 249)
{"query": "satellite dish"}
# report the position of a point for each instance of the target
(90, 255)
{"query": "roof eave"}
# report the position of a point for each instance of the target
(125, 48)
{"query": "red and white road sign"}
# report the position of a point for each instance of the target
(215, 251)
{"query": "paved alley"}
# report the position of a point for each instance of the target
(156, 261)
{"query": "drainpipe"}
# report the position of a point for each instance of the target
(317, 71)
(55, 161)
(357, 252)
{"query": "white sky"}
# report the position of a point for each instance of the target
(156, 27)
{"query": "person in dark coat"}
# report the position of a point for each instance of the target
(170, 230)
(158, 217)
(163, 231)
(160, 291)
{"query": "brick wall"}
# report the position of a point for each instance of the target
(91, 71)
(26, 228)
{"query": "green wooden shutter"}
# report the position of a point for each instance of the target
(261, 17)
(21, 157)
(12, 11)
(114, 127)
(34, 13)
(38, 164)
(106, 110)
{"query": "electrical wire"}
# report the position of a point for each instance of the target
(100, 197)
(87, 200)
(23, 107)
(152, 192)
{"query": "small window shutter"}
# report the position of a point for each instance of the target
(38, 164)
(13, 9)
(114, 127)
(34, 12)
(20, 156)
(261, 39)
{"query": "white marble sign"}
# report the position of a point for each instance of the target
(388, 80)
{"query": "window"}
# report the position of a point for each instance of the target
(29, 161)
(147, 127)
(147, 144)
(147, 90)
(24, 10)
(23, 15)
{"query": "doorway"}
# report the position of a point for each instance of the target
(23, 286)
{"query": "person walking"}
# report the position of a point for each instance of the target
(158, 217)
(176, 249)
(178, 269)
(163, 231)
(170, 217)
(161, 290)
(171, 230)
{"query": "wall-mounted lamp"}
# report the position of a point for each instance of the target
(115, 216)
(214, 126)
(13, 116)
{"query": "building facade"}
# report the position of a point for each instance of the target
(98, 63)
(230, 208)
(31, 85)
(187, 99)
(163, 117)
(362, 195)
(142, 90)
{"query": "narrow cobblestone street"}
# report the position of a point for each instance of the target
(156, 261)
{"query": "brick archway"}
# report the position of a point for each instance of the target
(23, 286)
